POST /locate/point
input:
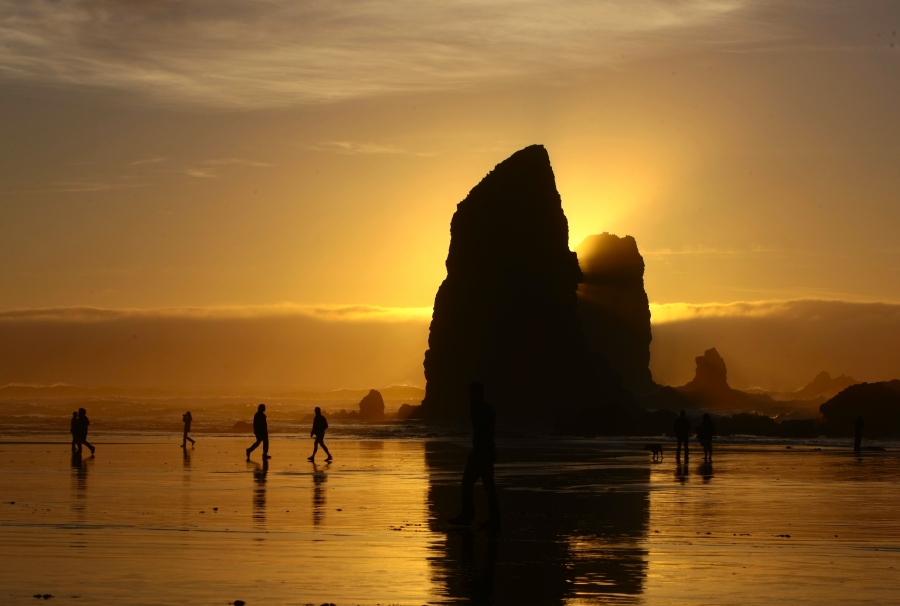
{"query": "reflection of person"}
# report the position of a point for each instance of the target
(81, 429)
(705, 432)
(320, 424)
(481, 460)
(259, 492)
(261, 431)
(187, 418)
(73, 429)
(858, 431)
(682, 435)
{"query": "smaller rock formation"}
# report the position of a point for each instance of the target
(709, 388)
(371, 407)
(614, 309)
(711, 375)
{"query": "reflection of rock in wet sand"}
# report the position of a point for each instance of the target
(570, 529)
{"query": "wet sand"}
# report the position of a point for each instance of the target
(585, 522)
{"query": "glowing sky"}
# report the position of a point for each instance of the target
(227, 153)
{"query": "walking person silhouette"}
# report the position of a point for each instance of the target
(705, 432)
(261, 431)
(480, 463)
(73, 429)
(682, 436)
(320, 424)
(82, 431)
(187, 418)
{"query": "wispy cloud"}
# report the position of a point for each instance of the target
(235, 162)
(79, 186)
(148, 161)
(709, 251)
(367, 148)
(807, 309)
(200, 173)
(271, 53)
(336, 313)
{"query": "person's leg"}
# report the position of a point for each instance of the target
(80, 442)
(191, 440)
(312, 457)
(487, 480)
(678, 447)
(89, 445)
(74, 444)
(470, 476)
(184, 440)
(321, 441)
(687, 453)
(266, 447)
(254, 447)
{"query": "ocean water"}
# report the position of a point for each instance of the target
(585, 522)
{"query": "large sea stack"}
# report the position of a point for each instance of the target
(507, 313)
(614, 309)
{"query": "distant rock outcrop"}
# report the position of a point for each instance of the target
(711, 375)
(877, 403)
(507, 312)
(709, 390)
(371, 407)
(822, 386)
(614, 309)
(406, 411)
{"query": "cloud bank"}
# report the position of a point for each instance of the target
(778, 344)
(270, 53)
(216, 349)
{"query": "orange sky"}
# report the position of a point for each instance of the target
(166, 154)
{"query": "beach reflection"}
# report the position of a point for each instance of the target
(573, 528)
(260, 471)
(319, 478)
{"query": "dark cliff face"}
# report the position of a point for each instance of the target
(507, 312)
(614, 309)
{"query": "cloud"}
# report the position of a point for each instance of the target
(779, 345)
(148, 161)
(223, 348)
(235, 162)
(354, 149)
(344, 313)
(271, 53)
(200, 173)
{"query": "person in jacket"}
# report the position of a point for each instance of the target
(82, 431)
(187, 418)
(261, 431)
(320, 424)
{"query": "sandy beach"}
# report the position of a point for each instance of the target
(586, 522)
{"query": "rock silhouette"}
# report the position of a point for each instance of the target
(507, 315)
(614, 309)
(406, 411)
(877, 403)
(822, 386)
(711, 374)
(371, 407)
